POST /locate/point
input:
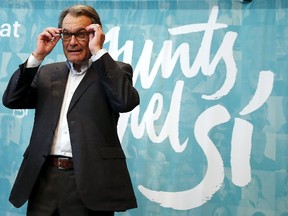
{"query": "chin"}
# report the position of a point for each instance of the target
(76, 60)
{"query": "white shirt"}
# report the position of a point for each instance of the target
(61, 142)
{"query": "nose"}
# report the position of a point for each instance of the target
(73, 40)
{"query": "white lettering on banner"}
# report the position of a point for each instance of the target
(240, 154)
(243, 130)
(195, 197)
(6, 29)
(207, 120)
(170, 127)
(263, 91)
(20, 113)
(202, 60)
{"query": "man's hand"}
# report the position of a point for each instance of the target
(96, 38)
(46, 41)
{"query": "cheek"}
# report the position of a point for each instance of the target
(64, 47)
(87, 52)
(85, 46)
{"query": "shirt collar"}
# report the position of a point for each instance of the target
(84, 67)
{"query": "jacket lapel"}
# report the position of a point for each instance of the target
(87, 80)
(59, 78)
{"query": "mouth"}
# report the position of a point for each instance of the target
(74, 51)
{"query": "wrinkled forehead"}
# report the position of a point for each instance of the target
(75, 23)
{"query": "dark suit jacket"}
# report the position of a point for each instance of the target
(100, 168)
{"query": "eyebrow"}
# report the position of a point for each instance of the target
(78, 30)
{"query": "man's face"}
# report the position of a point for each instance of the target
(76, 51)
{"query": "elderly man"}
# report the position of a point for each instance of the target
(74, 164)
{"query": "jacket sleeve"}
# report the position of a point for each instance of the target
(20, 93)
(116, 78)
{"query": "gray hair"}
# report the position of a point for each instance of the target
(80, 10)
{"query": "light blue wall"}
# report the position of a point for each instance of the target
(211, 129)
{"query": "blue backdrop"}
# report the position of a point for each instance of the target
(210, 135)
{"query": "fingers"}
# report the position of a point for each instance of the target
(96, 38)
(96, 28)
(50, 34)
(46, 42)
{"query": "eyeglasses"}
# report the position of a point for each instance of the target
(80, 36)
